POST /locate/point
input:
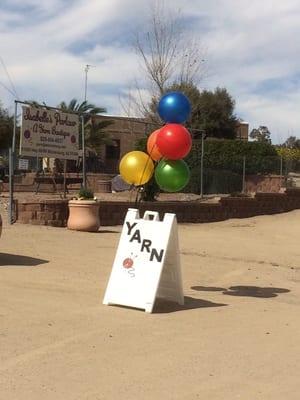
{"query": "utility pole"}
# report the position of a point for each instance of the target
(86, 70)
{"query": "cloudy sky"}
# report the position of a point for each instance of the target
(251, 47)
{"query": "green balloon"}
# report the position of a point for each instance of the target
(172, 175)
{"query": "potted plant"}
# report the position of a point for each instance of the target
(84, 212)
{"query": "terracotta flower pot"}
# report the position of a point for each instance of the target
(84, 215)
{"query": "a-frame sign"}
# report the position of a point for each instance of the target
(147, 262)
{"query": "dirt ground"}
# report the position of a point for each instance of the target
(236, 337)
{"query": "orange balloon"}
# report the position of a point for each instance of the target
(152, 148)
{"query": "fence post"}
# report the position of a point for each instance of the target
(11, 163)
(201, 165)
(281, 171)
(11, 177)
(244, 174)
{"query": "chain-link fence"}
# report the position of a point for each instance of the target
(213, 173)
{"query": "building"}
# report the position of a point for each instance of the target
(242, 130)
(125, 132)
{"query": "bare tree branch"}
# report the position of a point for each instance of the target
(167, 54)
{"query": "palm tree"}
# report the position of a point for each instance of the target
(81, 108)
(95, 137)
(94, 134)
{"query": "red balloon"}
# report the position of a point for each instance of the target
(174, 141)
(152, 147)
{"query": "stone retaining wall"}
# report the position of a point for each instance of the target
(43, 212)
(264, 183)
(55, 212)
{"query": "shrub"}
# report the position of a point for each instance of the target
(85, 194)
(228, 155)
(150, 191)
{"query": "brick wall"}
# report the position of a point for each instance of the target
(43, 212)
(55, 212)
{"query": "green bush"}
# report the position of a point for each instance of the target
(228, 155)
(150, 191)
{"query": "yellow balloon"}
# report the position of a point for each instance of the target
(136, 168)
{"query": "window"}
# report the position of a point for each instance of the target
(113, 150)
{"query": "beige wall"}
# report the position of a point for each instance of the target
(129, 130)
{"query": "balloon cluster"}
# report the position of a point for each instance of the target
(166, 146)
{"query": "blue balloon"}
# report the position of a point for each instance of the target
(174, 107)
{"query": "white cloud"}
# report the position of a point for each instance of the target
(248, 43)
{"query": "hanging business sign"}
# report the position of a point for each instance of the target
(49, 133)
(147, 262)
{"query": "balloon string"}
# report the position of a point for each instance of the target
(149, 158)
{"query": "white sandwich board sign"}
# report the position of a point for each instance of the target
(147, 262)
(49, 133)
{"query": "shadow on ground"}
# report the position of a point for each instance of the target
(247, 291)
(208, 288)
(97, 232)
(190, 303)
(108, 231)
(7, 260)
